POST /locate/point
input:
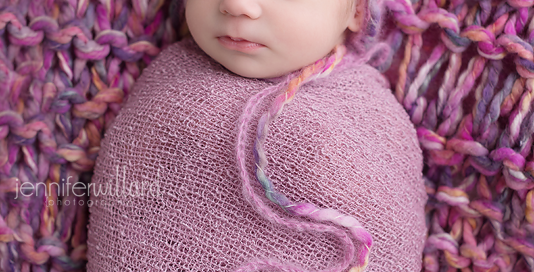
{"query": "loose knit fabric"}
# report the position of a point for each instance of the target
(344, 143)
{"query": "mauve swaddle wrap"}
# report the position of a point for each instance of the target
(343, 143)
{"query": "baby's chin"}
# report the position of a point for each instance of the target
(259, 71)
(249, 73)
(256, 70)
(259, 67)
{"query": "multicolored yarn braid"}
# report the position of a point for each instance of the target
(319, 69)
(474, 117)
(66, 65)
(361, 43)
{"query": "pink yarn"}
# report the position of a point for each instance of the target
(65, 67)
(319, 69)
(475, 123)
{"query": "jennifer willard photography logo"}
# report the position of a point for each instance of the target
(61, 193)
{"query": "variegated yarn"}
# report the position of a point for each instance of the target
(66, 66)
(319, 69)
(471, 102)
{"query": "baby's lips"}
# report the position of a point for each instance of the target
(239, 44)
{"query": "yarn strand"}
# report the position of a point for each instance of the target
(319, 69)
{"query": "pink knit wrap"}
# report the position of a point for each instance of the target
(344, 143)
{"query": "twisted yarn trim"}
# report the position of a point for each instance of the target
(317, 70)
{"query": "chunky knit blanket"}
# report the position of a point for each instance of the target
(462, 72)
(465, 76)
(65, 67)
(343, 143)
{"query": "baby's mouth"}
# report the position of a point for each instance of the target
(237, 39)
(239, 44)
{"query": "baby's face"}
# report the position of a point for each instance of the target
(268, 38)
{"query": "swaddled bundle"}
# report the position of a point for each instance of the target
(175, 200)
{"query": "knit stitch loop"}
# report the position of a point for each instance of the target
(475, 127)
(60, 87)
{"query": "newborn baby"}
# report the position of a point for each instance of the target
(261, 143)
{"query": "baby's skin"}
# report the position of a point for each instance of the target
(270, 38)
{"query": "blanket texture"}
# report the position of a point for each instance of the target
(169, 195)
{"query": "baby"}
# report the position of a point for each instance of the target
(263, 142)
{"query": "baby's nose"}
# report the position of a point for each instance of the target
(249, 8)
